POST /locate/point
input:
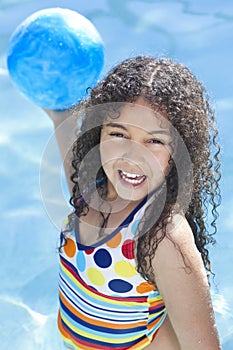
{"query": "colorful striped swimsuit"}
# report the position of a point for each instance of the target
(104, 302)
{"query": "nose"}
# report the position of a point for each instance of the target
(134, 152)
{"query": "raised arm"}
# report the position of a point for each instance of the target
(181, 279)
(65, 125)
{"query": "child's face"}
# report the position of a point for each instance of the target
(135, 150)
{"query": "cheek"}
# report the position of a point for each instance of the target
(162, 159)
(108, 152)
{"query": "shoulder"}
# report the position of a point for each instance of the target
(179, 230)
(178, 267)
(181, 279)
(178, 245)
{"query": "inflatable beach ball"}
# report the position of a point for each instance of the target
(54, 56)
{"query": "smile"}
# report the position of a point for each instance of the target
(134, 179)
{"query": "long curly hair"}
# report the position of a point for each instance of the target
(172, 88)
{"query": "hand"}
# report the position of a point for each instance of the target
(58, 116)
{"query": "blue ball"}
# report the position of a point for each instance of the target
(54, 56)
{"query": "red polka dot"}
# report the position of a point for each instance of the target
(89, 251)
(128, 249)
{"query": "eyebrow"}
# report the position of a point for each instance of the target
(116, 125)
(154, 132)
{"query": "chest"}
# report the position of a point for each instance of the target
(96, 226)
(109, 267)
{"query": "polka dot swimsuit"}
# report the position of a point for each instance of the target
(104, 302)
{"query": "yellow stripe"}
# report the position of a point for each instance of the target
(98, 321)
(95, 296)
(155, 299)
(96, 337)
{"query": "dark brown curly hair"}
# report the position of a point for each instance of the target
(172, 88)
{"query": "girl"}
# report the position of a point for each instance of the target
(133, 259)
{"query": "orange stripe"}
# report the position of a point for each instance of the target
(66, 336)
(60, 327)
(78, 280)
(156, 301)
(143, 343)
(154, 323)
(156, 306)
(106, 324)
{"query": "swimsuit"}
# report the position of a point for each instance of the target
(104, 301)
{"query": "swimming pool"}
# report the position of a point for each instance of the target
(194, 32)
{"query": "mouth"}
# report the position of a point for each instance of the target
(132, 179)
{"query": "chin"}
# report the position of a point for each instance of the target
(132, 197)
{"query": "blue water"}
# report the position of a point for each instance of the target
(197, 33)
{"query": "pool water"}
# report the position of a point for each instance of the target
(197, 33)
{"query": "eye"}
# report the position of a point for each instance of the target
(117, 134)
(156, 141)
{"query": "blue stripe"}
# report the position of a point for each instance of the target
(98, 342)
(125, 223)
(95, 303)
(140, 316)
(156, 310)
(92, 299)
(112, 331)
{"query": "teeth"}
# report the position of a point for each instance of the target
(134, 182)
(131, 178)
(130, 174)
